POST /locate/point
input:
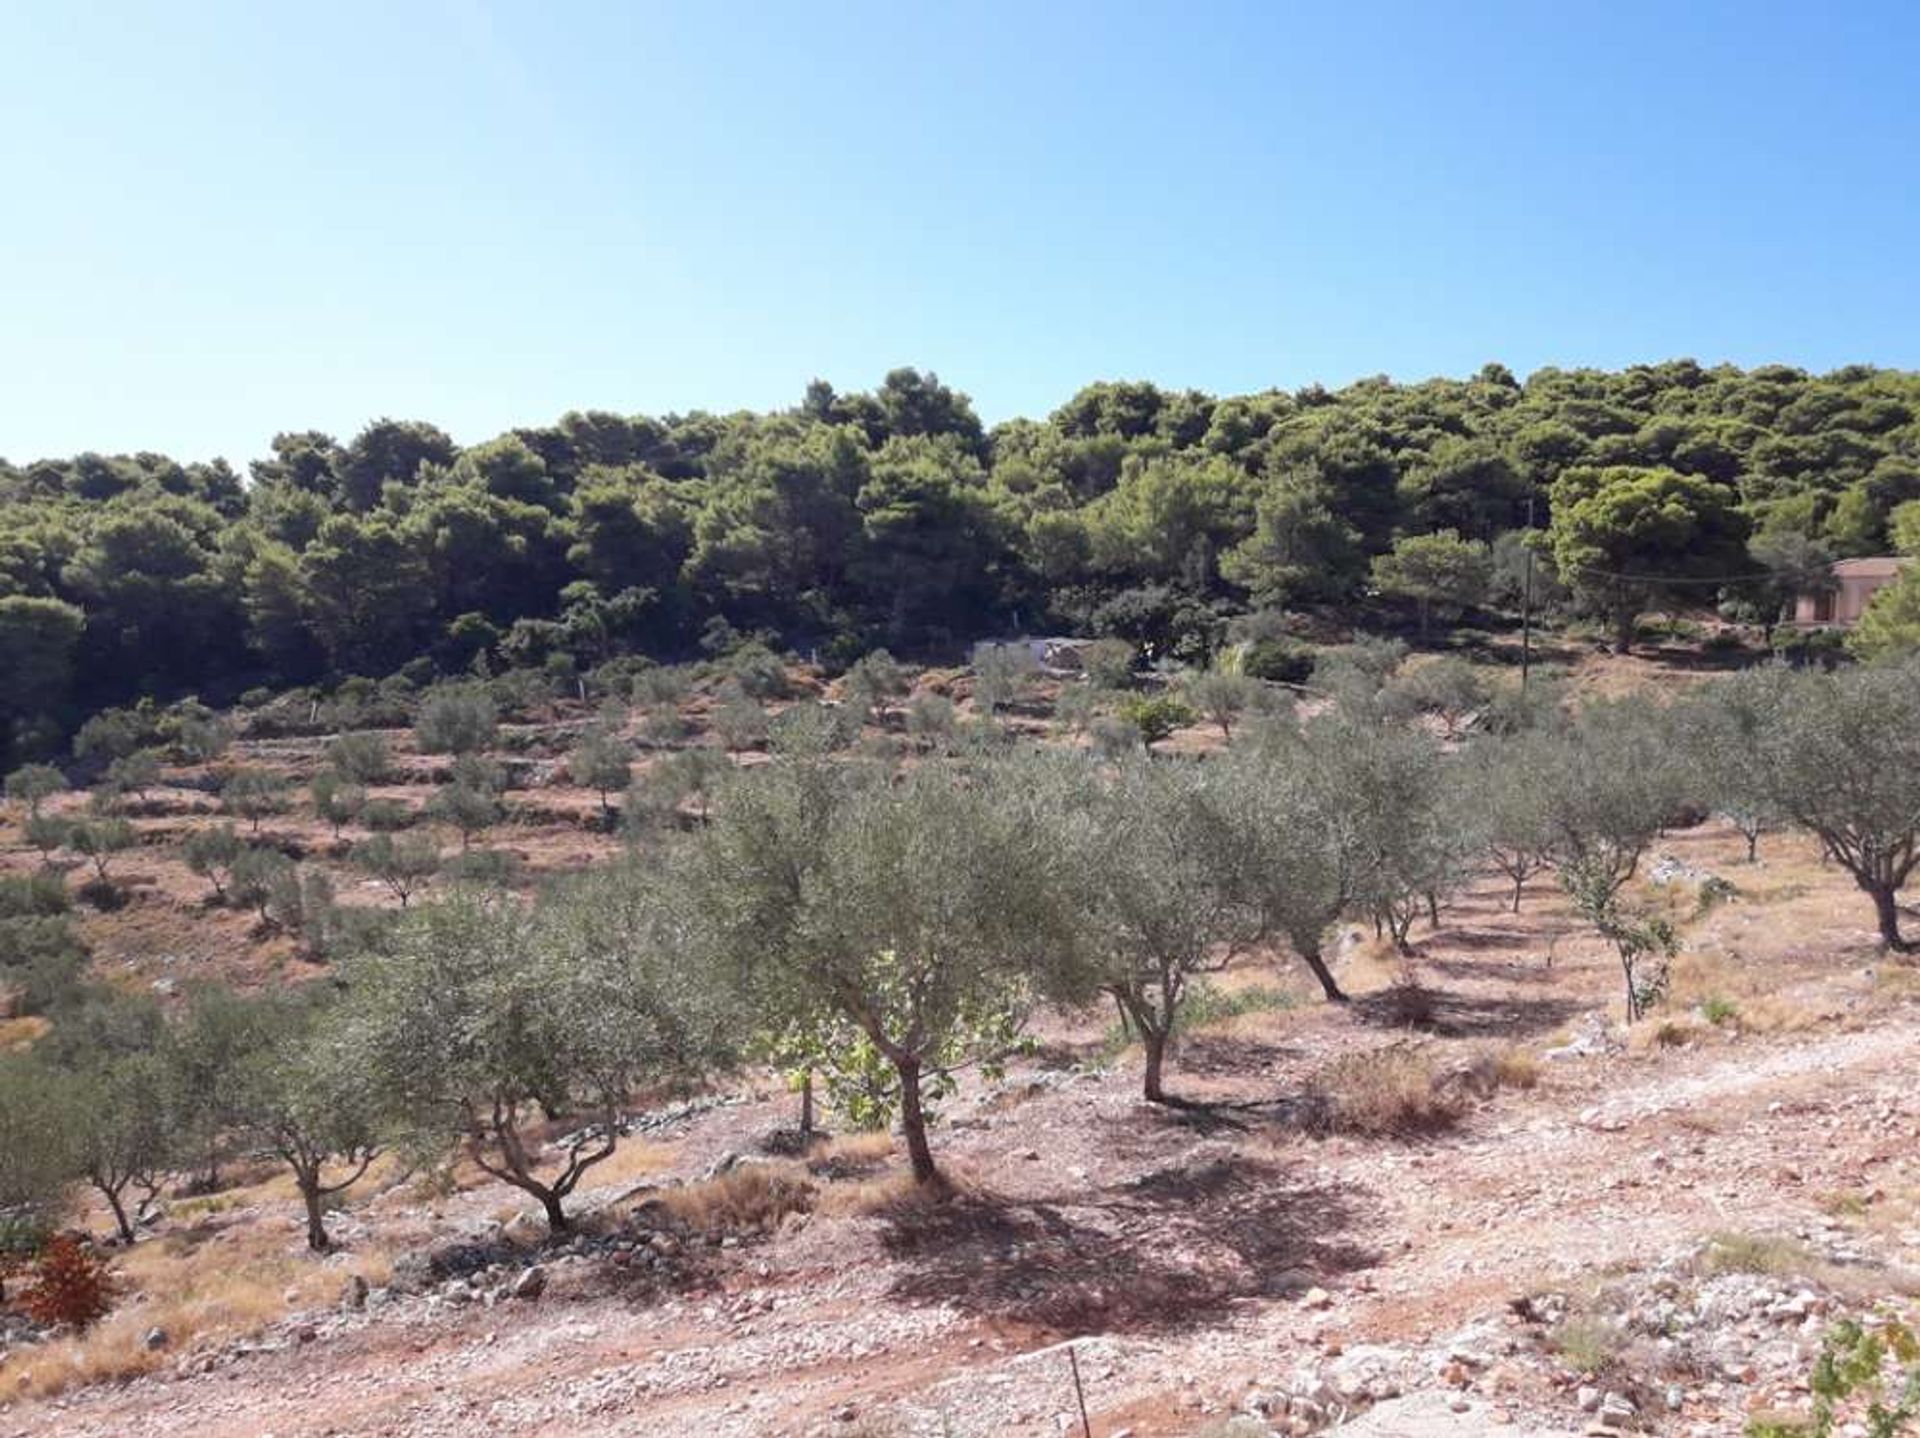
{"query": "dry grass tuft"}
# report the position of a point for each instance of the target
(893, 1193)
(201, 1289)
(1393, 1091)
(1763, 1253)
(20, 1033)
(632, 1162)
(1517, 1068)
(751, 1196)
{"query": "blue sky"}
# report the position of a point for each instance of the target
(225, 219)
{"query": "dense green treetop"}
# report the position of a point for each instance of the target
(895, 517)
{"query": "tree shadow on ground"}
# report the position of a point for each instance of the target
(1176, 1249)
(1464, 1016)
(1220, 1055)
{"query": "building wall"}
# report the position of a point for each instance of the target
(1840, 609)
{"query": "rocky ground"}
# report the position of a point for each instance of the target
(1651, 1238)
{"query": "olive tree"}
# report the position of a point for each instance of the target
(1509, 782)
(337, 800)
(1222, 696)
(1338, 816)
(457, 720)
(482, 1013)
(602, 762)
(1153, 889)
(253, 795)
(212, 853)
(925, 915)
(37, 1159)
(34, 784)
(122, 1136)
(1722, 729)
(404, 863)
(1840, 756)
(304, 1096)
(1616, 778)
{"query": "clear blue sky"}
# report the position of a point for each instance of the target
(223, 219)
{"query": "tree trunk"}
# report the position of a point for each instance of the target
(806, 1104)
(557, 1219)
(1519, 886)
(1887, 909)
(1433, 908)
(1328, 984)
(1155, 1043)
(120, 1220)
(1753, 846)
(317, 1238)
(1626, 619)
(913, 1121)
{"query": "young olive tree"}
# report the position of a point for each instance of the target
(928, 920)
(481, 1012)
(1152, 880)
(404, 863)
(100, 841)
(1722, 729)
(1222, 696)
(602, 762)
(211, 853)
(1338, 816)
(253, 795)
(1841, 757)
(337, 800)
(304, 1096)
(1510, 784)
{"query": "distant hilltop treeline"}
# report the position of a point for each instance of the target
(894, 517)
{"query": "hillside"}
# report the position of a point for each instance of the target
(1473, 1200)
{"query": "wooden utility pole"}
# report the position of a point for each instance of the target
(1526, 607)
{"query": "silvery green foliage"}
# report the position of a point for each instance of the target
(482, 1010)
(1840, 756)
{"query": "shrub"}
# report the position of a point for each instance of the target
(386, 816)
(1278, 661)
(1588, 1344)
(1389, 1092)
(662, 688)
(71, 1285)
(361, 758)
(1850, 1375)
(930, 719)
(759, 671)
(1109, 663)
(1155, 716)
(456, 721)
(738, 718)
(1718, 1011)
